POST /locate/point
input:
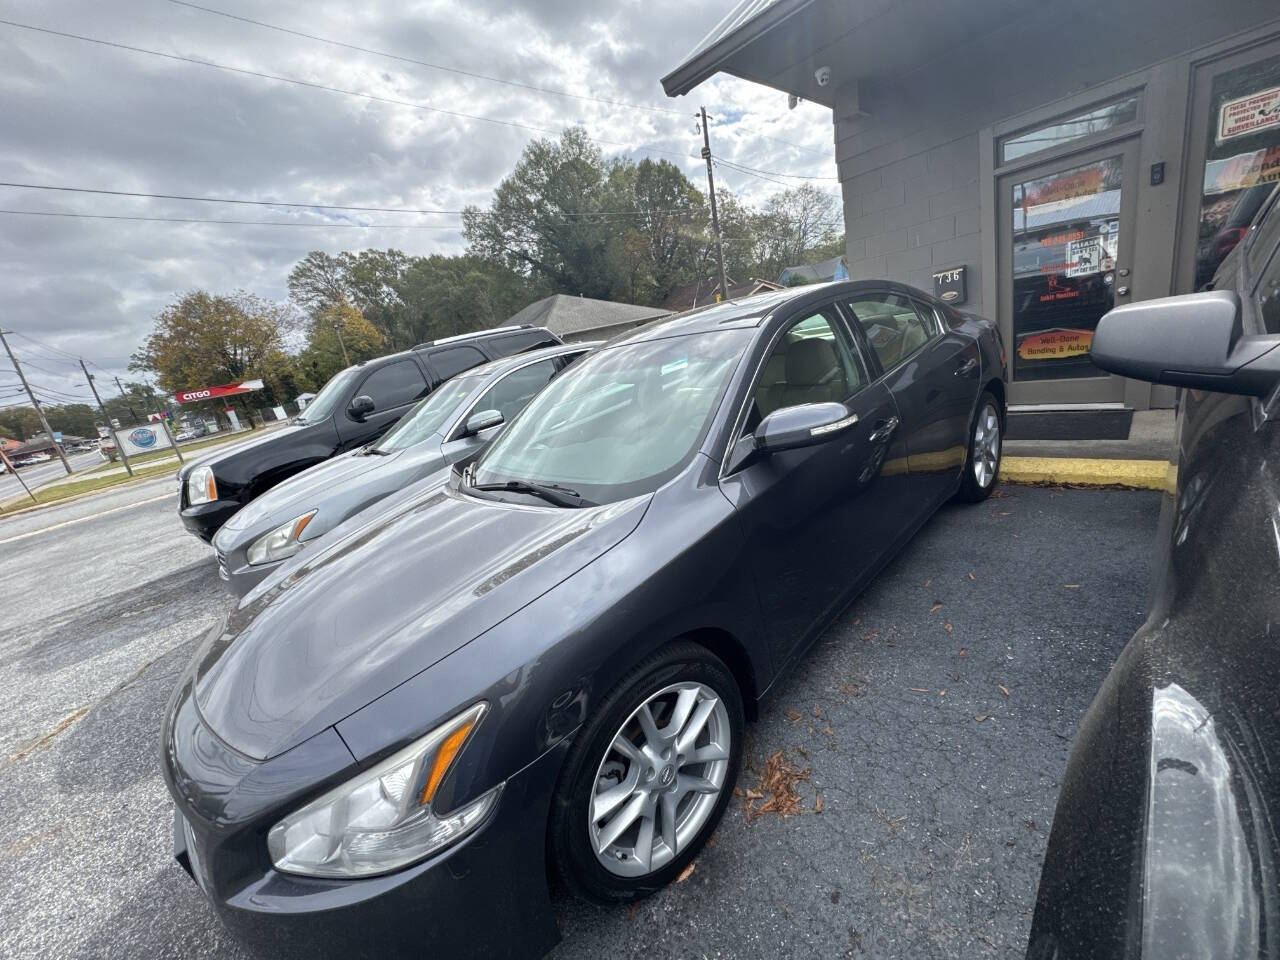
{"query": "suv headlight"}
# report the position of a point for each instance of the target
(201, 487)
(281, 542)
(382, 820)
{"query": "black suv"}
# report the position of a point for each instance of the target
(355, 407)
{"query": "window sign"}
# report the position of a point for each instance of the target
(1246, 115)
(1242, 163)
(1066, 236)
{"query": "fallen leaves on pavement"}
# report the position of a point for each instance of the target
(937, 605)
(686, 872)
(1003, 689)
(779, 781)
(817, 804)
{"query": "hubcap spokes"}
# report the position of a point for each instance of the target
(986, 446)
(658, 782)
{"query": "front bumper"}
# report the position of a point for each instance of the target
(445, 906)
(205, 519)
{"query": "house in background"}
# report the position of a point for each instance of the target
(1039, 163)
(833, 268)
(702, 292)
(574, 319)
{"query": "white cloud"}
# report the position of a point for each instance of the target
(80, 114)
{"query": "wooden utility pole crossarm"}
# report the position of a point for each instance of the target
(34, 402)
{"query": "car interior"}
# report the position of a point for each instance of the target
(892, 326)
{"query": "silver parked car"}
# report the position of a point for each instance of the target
(454, 422)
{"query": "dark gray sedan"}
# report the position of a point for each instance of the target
(452, 423)
(542, 659)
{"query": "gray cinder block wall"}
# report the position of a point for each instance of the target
(909, 149)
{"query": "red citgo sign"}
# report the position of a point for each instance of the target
(223, 390)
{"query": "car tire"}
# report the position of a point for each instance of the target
(985, 451)
(682, 678)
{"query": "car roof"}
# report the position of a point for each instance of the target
(500, 366)
(755, 310)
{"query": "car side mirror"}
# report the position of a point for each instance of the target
(361, 407)
(482, 420)
(1195, 340)
(802, 426)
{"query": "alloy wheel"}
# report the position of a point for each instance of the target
(986, 446)
(660, 779)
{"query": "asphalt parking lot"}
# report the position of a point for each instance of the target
(933, 720)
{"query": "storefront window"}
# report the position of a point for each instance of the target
(1066, 236)
(1242, 163)
(1086, 124)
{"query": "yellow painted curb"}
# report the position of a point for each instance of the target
(1074, 471)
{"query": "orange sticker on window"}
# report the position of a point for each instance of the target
(1055, 344)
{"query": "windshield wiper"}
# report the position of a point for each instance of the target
(550, 492)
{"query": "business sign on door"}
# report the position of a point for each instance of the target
(222, 390)
(1245, 115)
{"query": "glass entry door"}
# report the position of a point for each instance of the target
(1234, 157)
(1066, 232)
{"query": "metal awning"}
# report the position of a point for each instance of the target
(746, 22)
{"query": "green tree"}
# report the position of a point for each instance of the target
(443, 296)
(322, 357)
(542, 223)
(19, 423)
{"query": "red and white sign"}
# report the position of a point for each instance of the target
(1250, 114)
(225, 390)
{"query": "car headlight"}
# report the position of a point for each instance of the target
(383, 819)
(284, 541)
(201, 487)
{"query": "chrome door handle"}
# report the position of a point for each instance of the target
(884, 430)
(967, 367)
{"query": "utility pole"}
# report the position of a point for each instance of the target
(35, 403)
(337, 328)
(106, 419)
(126, 400)
(715, 217)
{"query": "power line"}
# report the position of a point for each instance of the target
(425, 63)
(258, 223)
(774, 173)
(321, 86)
(47, 346)
(308, 206)
(585, 219)
(256, 203)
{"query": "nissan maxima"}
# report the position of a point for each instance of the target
(541, 660)
(451, 424)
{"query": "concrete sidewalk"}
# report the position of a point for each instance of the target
(1151, 437)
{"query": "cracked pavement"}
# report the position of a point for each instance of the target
(937, 785)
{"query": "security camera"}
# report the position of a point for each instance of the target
(822, 75)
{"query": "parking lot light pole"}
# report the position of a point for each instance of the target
(34, 402)
(106, 420)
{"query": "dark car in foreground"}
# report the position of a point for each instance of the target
(355, 407)
(1166, 838)
(453, 423)
(543, 658)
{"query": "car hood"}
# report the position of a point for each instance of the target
(307, 490)
(385, 600)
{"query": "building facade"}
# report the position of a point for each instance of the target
(1038, 164)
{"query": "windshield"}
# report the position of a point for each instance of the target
(622, 421)
(429, 415)
(327, 398)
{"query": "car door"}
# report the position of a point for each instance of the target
(934, 374)
(508, 395)
(817, 520)
(393, 388)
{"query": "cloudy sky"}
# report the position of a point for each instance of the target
(80, 114)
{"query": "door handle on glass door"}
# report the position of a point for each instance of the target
(884, 430)
(967, 367)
